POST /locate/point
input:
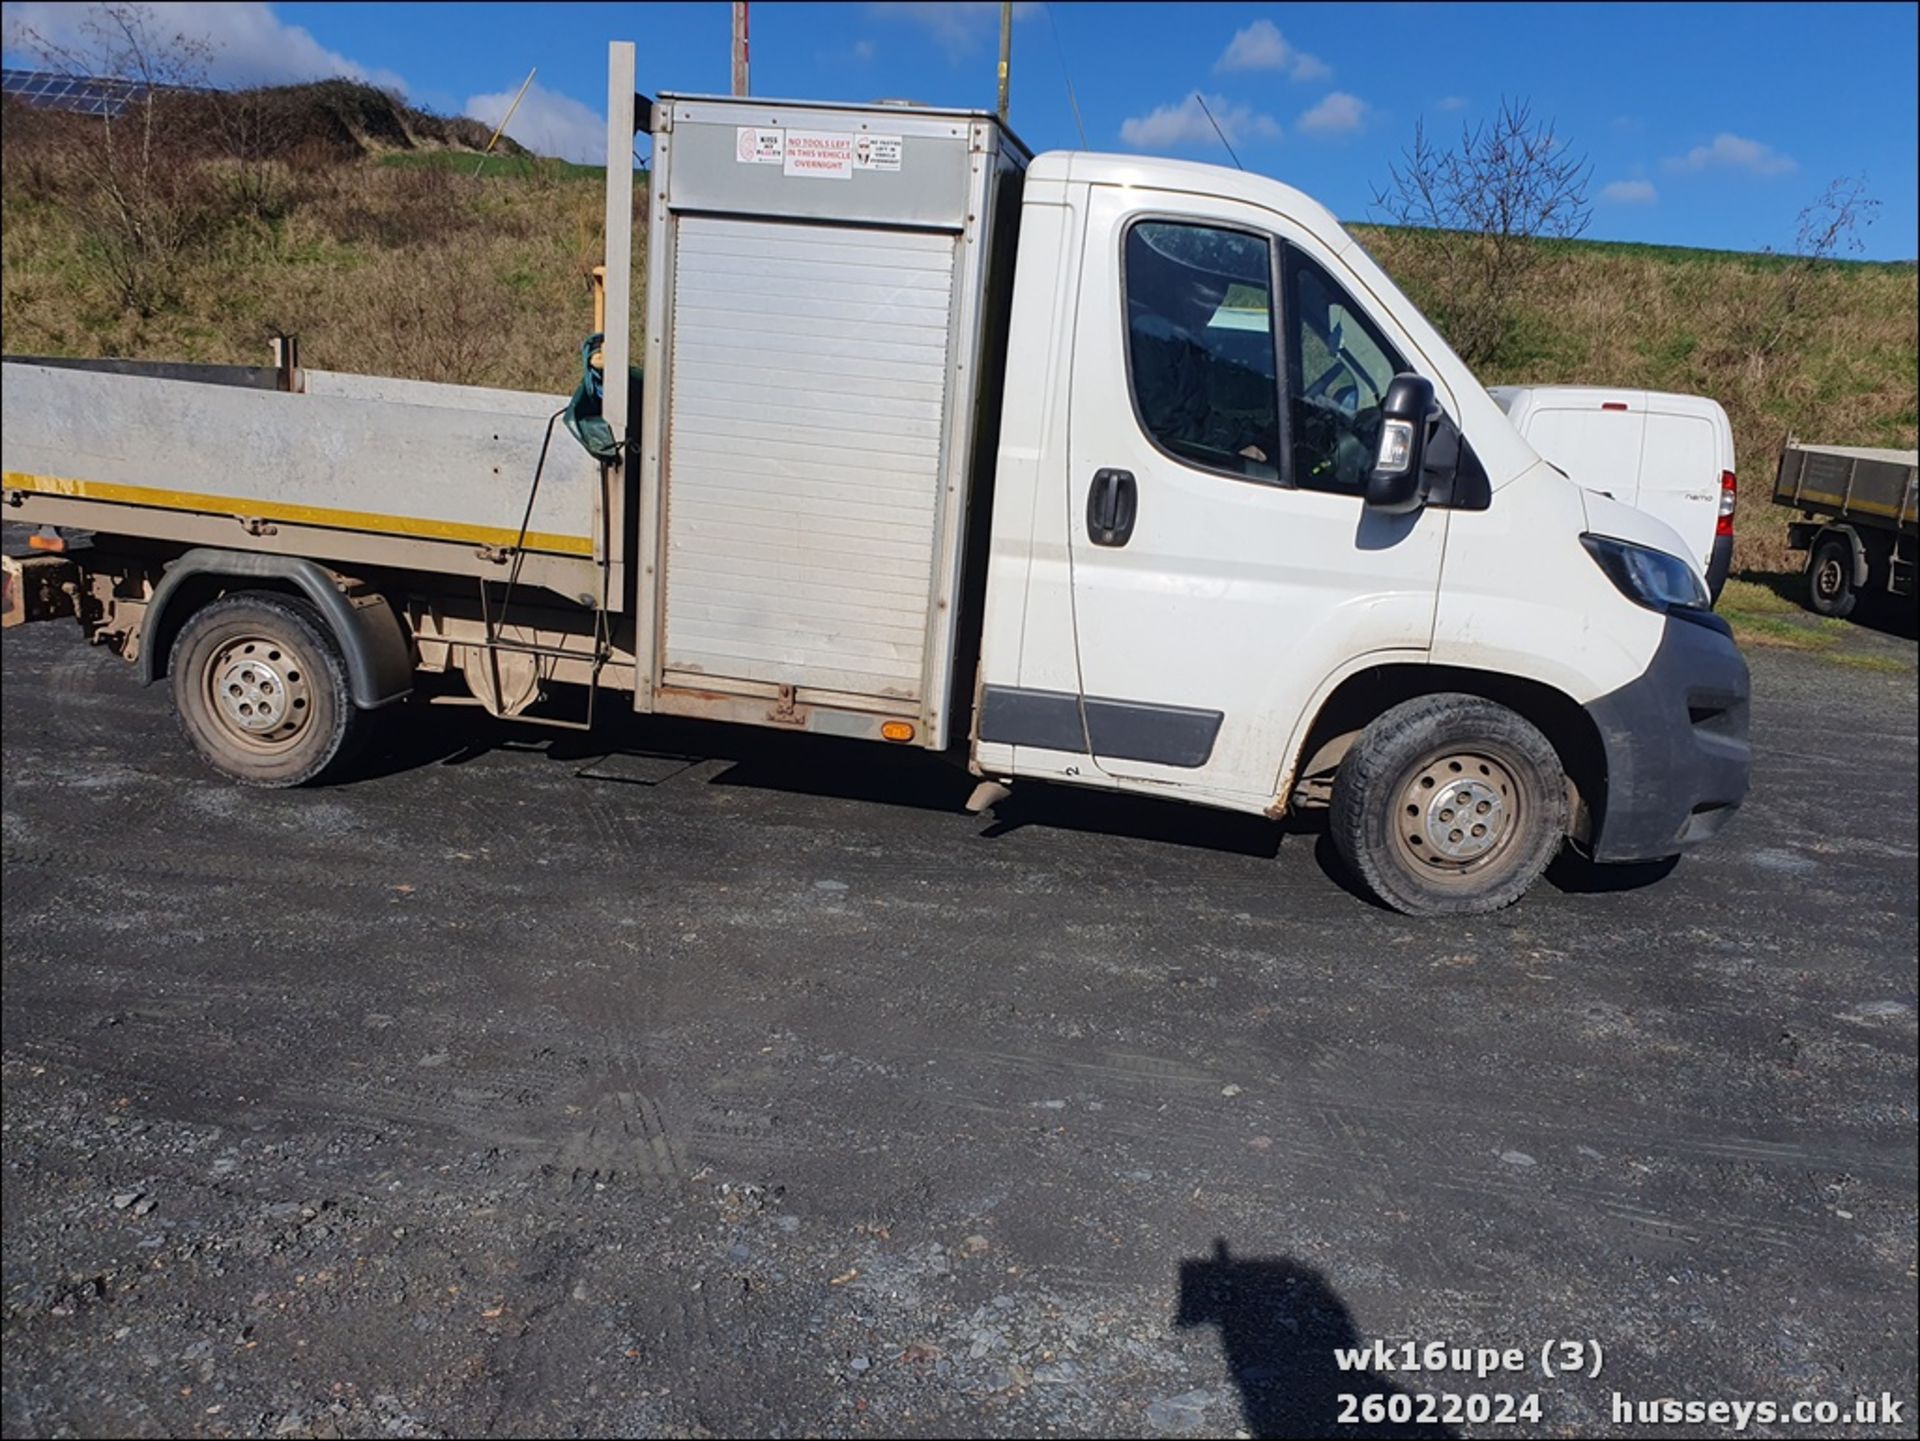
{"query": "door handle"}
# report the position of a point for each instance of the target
(1112, 501)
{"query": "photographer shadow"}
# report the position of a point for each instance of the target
(1280, 1327)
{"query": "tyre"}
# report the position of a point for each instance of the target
(1830, 577)
(260, 688)
(1449, 805)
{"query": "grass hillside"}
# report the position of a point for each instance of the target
(365, 231)
(1841, 369)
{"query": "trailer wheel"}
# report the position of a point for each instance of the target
(1830, 577)
(260, 687)
(1449, 805)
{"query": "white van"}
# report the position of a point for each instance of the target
(1670, 455)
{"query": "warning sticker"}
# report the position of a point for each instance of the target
(819, 154)
(876, 152)
(756, 146)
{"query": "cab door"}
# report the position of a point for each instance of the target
(1225, 407)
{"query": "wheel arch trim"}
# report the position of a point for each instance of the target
(379, 660)
(1353, 696)
(1856, 546)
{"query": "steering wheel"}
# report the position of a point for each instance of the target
(1340, 441)
(1319, 387)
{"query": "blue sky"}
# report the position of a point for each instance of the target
(1708, 125)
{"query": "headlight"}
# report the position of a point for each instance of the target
(1648, 577)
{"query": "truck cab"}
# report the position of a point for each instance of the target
(1194, 589)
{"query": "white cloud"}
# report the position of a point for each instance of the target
(1734, 152)
(250, 45)
(959, 27)
(1338, 114)
(1451, 102)
(1172, 127)
(1310, 67)
(1629, 192)
(1261, 46)
(863, 50)
(547, 123)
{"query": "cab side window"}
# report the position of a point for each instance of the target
(1338, 369)
(1200, 345)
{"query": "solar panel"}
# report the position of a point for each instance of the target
(81, 94)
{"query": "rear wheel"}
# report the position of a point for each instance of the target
(1830, 577)
(1449, 805)
(260, 688)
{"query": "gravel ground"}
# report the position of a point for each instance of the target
(731, 1084)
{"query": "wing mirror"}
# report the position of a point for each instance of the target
(1396, 485)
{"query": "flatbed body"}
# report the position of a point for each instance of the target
(1869, 484)
(786, 544)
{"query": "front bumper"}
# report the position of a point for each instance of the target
(1677, 754)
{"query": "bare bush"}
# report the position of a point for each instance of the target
(1828, 229)
(410, 207)
(428, 313)
(257, 178)
(145, 204)
(41, 151)
(1509, 183)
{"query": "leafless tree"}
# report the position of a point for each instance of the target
(139, 196)
(1488, 200)
(1829, 229)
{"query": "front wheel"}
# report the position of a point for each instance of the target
(1449, 805)
(260, 687)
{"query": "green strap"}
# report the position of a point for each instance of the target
(584, 419)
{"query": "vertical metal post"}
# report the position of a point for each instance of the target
(619, 256)
(1006, 53)
(286, 359)
(740, 47)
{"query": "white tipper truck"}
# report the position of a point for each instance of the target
(1110, 471)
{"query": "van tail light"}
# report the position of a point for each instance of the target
(1729, 501)
(1613, 405)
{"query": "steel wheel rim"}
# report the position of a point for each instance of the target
(1457, 814)
(258, 692)
(1829, 578)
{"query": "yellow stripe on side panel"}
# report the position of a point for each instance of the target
(1837, 500)
(57, 485)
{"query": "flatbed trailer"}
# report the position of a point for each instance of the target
(1859, 510)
